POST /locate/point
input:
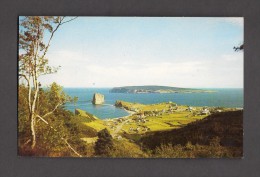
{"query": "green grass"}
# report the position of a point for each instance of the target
(96, 124)
(85, 114)
(89, 120)
(162, 123)
(166, 121)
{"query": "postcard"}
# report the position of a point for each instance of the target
(130, 87)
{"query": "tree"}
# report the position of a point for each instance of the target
(104, 143)
(35, 35)
(53, 132)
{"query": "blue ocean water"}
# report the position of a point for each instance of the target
(232, 98)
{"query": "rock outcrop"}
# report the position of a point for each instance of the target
(98, 98)
(118, 103)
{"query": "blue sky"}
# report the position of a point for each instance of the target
(120, 51)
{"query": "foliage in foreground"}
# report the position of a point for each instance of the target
(55, 133)
(214, 150)
(126, 149)
(35, 36)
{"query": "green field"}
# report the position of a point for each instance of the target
(162, 116)
(148, 118)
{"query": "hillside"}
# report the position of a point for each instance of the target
(226, 126)
(90, 120)
(89, 117)
(155, 89)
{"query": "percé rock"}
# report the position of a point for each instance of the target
(98, 98)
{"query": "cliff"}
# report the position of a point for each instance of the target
(98, 98)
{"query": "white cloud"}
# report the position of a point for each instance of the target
(80, 70)
(65, 57)
(235, 20)
(238, 56)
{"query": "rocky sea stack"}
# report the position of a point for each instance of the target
(98, 98)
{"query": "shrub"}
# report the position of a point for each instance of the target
(123, 149)
(104, 143)
(214, 150)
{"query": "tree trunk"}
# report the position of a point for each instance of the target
(32, 116)
(33, 131)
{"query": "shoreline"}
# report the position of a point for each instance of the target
(130, 113)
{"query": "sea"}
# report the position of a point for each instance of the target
(227, 97)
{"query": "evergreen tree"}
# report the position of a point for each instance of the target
(104, 143)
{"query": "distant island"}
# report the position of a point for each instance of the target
(156, 89)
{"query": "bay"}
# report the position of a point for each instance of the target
(227, 97)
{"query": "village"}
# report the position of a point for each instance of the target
(156, 117)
